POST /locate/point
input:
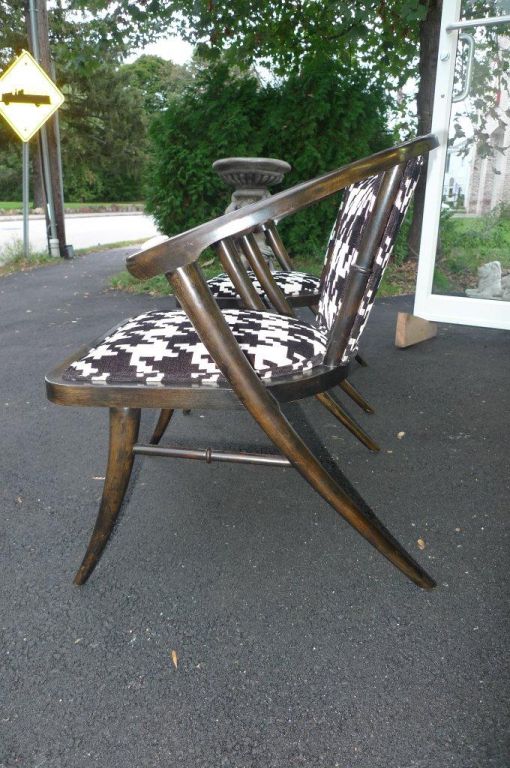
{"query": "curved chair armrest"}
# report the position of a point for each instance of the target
(186, 248)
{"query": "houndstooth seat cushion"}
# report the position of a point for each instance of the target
(292, 284)
(162, 348)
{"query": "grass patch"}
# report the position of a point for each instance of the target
(8, 206)
(466, 244)
(12, 258)
(155, 286)
(137, 203)
(108, 246)
(398, 279)
(159, 285)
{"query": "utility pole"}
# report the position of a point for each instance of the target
(37, 22)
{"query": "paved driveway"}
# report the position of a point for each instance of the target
(297, 645)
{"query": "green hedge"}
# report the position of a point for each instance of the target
(316, 120)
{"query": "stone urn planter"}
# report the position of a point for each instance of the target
(251, 178)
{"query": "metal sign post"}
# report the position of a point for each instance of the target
(28, 97)
(25, 200)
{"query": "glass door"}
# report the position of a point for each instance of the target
(464, 265)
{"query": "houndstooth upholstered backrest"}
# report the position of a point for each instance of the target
(353, 217)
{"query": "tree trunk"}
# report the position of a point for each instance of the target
(429, 45)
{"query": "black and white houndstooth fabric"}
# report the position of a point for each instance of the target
(343, 248)
(292, 284)
(398, 212)
(162, 348)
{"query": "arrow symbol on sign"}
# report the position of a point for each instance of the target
(20, 97)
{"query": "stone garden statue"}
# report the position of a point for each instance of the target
(491, 284)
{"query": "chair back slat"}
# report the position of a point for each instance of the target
(275, 242)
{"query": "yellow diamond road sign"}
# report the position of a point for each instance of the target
(27, 96)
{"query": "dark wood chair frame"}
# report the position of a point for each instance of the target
(177, 258)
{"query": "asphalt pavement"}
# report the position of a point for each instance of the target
(235, 621)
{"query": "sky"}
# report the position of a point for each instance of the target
(171, 48)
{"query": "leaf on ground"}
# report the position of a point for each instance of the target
(174, 658)
(421, 544)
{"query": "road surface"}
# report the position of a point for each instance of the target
(297, 645)
(82, 230)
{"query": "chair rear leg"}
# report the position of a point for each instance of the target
(279, 430)
(163, 421)
(344, 418)
(124, 426)
(355, 395)
(361, 361)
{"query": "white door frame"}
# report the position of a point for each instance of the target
(487, 313)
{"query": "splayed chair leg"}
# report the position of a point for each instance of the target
(163, 421)
(355, 395)
(279, 430)
(361, 361)
(212, 328)
(344, 418)
(124, 426)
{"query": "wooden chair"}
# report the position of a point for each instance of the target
(203, 358)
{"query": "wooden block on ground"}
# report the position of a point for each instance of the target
(413, 330)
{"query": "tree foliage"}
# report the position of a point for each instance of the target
(157, 80)
(105, 115)
(10, 164)
(317, 119)
(104, 125)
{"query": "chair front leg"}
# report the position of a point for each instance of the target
(220, 342)
(124, 426)
(279, 430)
